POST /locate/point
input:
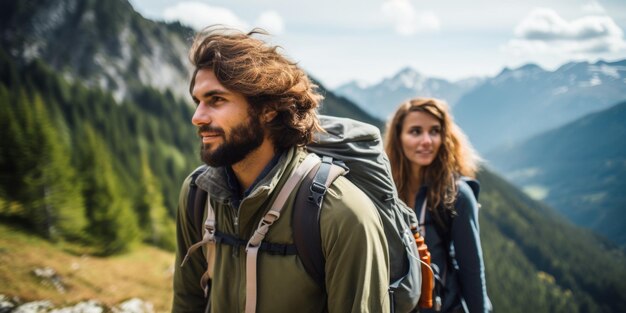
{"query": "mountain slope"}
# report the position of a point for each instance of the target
(537, 262)
(100, 43)
(78, 277)
(577, 168)
(520, 103)
(340, 106)
(383, 98)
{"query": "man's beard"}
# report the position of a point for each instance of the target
(243, 139)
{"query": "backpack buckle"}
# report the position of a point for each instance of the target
(318, 191)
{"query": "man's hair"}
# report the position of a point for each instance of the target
(456, 156)
(268, 80)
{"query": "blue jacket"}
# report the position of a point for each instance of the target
(458, 253)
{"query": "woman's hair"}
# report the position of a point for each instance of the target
(455, 157)
(268, 80)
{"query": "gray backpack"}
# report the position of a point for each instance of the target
(359, 147)
(349, 148)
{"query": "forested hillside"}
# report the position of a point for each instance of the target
(78, 165)
(536, 261)
(578, 169)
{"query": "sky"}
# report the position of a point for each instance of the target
(338, 41)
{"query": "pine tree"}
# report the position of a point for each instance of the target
(36, 167)
(112, 224)
(157, 226)
(53, 199)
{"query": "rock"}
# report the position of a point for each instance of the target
(133, 305)
(50, 275)
(6, 305)
(90, 306)
(34, 307)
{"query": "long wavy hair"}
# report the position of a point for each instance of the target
(268, 80)
(455, 157)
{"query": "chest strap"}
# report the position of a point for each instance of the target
(268, 247)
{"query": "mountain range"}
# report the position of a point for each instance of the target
(520, 103)
(577, 168)
(100, 163)
(383, 98)
(508, 108)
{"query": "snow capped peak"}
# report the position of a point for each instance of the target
(520, 73)
(406, 78)
(530, 67)
(609, 70)
(354, 85)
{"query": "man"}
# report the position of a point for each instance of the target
(255, 112)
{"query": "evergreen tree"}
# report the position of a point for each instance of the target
(9, 129)
(55, 177)
(158, 228)
(37, 172)
(112, 224)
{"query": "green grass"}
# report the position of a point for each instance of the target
(145, 273)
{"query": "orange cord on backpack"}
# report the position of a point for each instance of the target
(428, 277)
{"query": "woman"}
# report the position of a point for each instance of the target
(429, 156)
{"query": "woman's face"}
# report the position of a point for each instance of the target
(420, 139)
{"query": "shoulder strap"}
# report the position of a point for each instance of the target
(474, 185)
(196, 201)
(306, 217)
(253, 246)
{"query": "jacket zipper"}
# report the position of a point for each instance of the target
(235, 255)
(236, 226)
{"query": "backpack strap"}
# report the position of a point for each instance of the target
(306, 218)
(268, 220)
(196, 200)
(474, 185)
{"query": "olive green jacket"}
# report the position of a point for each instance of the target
(353, 243)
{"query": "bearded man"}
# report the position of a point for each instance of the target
(255, 112)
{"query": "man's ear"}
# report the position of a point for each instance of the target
(268, 115)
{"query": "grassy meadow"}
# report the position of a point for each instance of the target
(145, 273)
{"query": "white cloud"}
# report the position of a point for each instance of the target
(406, 20)
(199, 15)
(593, 6)
(272, 22)
(543, 31)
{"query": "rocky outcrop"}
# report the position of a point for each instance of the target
(103, 44)
(14, 305)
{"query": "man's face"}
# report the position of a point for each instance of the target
(227, 129)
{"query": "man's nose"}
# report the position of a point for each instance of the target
(202, 115)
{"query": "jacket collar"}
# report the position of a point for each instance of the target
(215, 179)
